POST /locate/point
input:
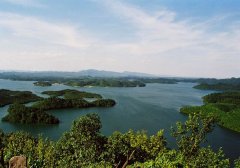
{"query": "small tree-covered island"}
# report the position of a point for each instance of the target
(72, 94)
(42, 83)
(19, 113)
(37, 112)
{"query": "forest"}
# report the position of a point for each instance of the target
(9, 97)
(37, 112)
(106, 82)
(225, 107)
(53, 103)
(218, 87)
(19, 113)
(84, 146)
(72, 94)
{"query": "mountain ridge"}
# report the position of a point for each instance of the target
(82, 73)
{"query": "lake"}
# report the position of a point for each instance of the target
(149, 108)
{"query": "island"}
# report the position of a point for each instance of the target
(159, 80)
(218, 87)
(53, 103)
(230, 84)
(72, 94)
(104, 82)
(62, 99)
(225, 107)
(42, 83)
(92, 82)
(19, 113)
(9, 97)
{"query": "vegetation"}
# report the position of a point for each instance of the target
(212, 81)
(232, 98)
(159, 80)
(42, 83)
(84, 146)
(219, 87)
(105, 82)
(103, 103)
(18, 113)
(10, 97)
(231, 84)
(72, 94)
(225, 107)
(59, 103)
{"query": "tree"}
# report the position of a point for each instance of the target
(190, 135)
(237, 163)
(83, 144)
(2, 139)
(125, 149)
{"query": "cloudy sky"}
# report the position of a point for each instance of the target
(194, 38)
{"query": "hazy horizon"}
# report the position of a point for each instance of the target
(146, 74)
(165, 37)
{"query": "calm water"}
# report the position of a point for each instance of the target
(151, 108)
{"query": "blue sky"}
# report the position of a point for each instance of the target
(194, 38)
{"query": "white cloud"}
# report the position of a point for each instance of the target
(188, 47)
(34, 29)
(161, 44)
(156, 29)
(162, 32)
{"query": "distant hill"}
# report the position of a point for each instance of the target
(83, 73)
(97, 73)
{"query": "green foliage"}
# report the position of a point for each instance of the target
(191, 134)
(20, 144)
(72, 94)
(10, 97)
(206, 157)
(83, 144)
(39, 152)
(125, 149)
(18, 113)
(237, 163)
(2, 146)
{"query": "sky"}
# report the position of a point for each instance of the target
(187, 38)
